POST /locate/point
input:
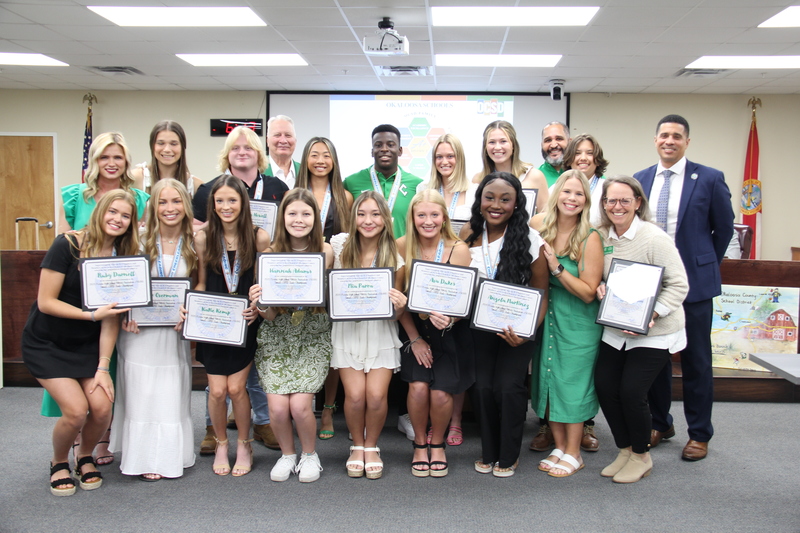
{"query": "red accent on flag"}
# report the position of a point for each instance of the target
(751, 207)
(87, 142)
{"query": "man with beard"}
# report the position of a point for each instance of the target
(386, 177)
(555, 137)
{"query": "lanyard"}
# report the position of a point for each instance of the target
(439, 251)
(451, 212)
(376, 185)
(231, 277)
(326, 203)
(259, 188)
(175, 261)
(491, 266)
(593, 183)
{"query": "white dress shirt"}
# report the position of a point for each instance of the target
(675, 189)
(277, 172)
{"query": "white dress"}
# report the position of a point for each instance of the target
(367, 344)
(152, 414)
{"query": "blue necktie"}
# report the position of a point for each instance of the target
(663, 201)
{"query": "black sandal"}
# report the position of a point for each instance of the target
(418, 472)
(94, 474)
(54, 485)
(438, 472)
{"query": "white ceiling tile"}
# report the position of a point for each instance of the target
(72, 15)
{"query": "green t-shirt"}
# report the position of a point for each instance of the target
(550, 173)
(77, 210)
(361, 181)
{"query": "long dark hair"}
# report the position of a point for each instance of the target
(340, 211)
(182, 173)
(245, 231)
(515, 256)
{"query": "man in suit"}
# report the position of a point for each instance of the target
(692, 203)
(281, 142)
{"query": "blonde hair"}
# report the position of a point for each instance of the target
(518, 167)
(253, 140)
(94, 235)
(100, 143)
(412, 250)
(458, 180)
(387, 247)
(549, 230)
(153, 227)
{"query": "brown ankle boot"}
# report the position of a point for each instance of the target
(209, 445)
(263, 433)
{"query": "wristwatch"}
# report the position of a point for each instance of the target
(557, 272)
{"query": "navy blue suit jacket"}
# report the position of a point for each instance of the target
(705, 226)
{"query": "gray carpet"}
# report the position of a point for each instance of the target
(749, 482)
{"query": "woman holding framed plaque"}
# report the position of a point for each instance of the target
(320, 173)
(294, 343)
(438, 361)
(68, 350)
(154, 377)
(227, 250)
(504, 248)
(562, 375)
(628, 363)
(367, 352)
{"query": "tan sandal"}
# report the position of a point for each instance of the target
(226, 466)
(239, 470)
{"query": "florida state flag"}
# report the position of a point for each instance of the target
(751, 191)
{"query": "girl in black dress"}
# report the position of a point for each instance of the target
(68, 350)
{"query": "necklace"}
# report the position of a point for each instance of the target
(229, 243)
(301, 249)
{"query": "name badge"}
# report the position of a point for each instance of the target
(608, 250)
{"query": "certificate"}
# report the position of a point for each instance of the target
(289, 279)
(446, 289)
(457, 224)
(501, 305)
(360, 294)
(631, 291)
(215, 318)
(168, 296)
(264, 213)
(531, 195)
(124, 280)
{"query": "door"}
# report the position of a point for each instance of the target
(27, 189)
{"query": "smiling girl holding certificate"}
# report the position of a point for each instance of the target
(367, 353)
(438, 362)
(68, 350)
(294, 345)
(227, 250)
(154, 376)
(503, 248)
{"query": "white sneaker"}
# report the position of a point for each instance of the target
(308, 468)
(404, 426)
(283, 468)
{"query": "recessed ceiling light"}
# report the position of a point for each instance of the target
(179, 16)
(512, 16)
(30, 60)
(788, 18)
(734, 62)
(243, 60)
(496, 60)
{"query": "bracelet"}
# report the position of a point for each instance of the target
(103, 369)
(262, 309)
(408, 346)
(106, 358)
(93, 318)
(451, 324)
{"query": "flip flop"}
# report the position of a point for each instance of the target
(569, 471)
(545, 464)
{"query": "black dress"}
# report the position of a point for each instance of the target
(54, 347)
(226, 360)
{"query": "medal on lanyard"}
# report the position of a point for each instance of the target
(491, 265)
(593, 184)
(259, 188)
(451, 211)
(175, 261)
(297, 316)
(231, 277)
(439, 253)
(326, 203)
(395, 187)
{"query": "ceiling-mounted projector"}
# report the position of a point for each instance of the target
(386, 41)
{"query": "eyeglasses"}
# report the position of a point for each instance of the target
(624, 202)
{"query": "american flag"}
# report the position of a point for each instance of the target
(87, 141)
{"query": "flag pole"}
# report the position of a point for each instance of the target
(87, 134)
(751, 206)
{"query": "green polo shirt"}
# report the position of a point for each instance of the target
(550, 173)
(361, 181)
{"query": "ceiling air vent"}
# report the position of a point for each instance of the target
(403, 71)
(118, 71)
(700, 72)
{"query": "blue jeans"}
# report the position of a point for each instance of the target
(258, 399)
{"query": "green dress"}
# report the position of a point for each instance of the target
(563, 375)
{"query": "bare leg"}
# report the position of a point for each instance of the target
(376, 397)
(304, 420)
(441, 405)
(355, 387)
(74, 407)
(281, 422)
(418, 411)
(455, 436)
(569, 436)
(237, 390)
(326, 419)
(218, 412)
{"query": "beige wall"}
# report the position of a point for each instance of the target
(624, 125)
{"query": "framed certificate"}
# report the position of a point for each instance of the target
(289, 279)
(168, 296)
(215, 318)
(264, 213)
(499, 305)
(446, 289)
(124, 280)
(631, 291)
(458, 224)
(531, 195)
(360, 294)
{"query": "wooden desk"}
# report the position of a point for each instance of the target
(786, 365)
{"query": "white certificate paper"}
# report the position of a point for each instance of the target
(124, 280)
(631, 291)
(499, 305)
(168, 296)
(289, 279)
(446, 289)
(360, 294)
(531, 195)
(458, 224)
(264, 213)
(215, 318)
